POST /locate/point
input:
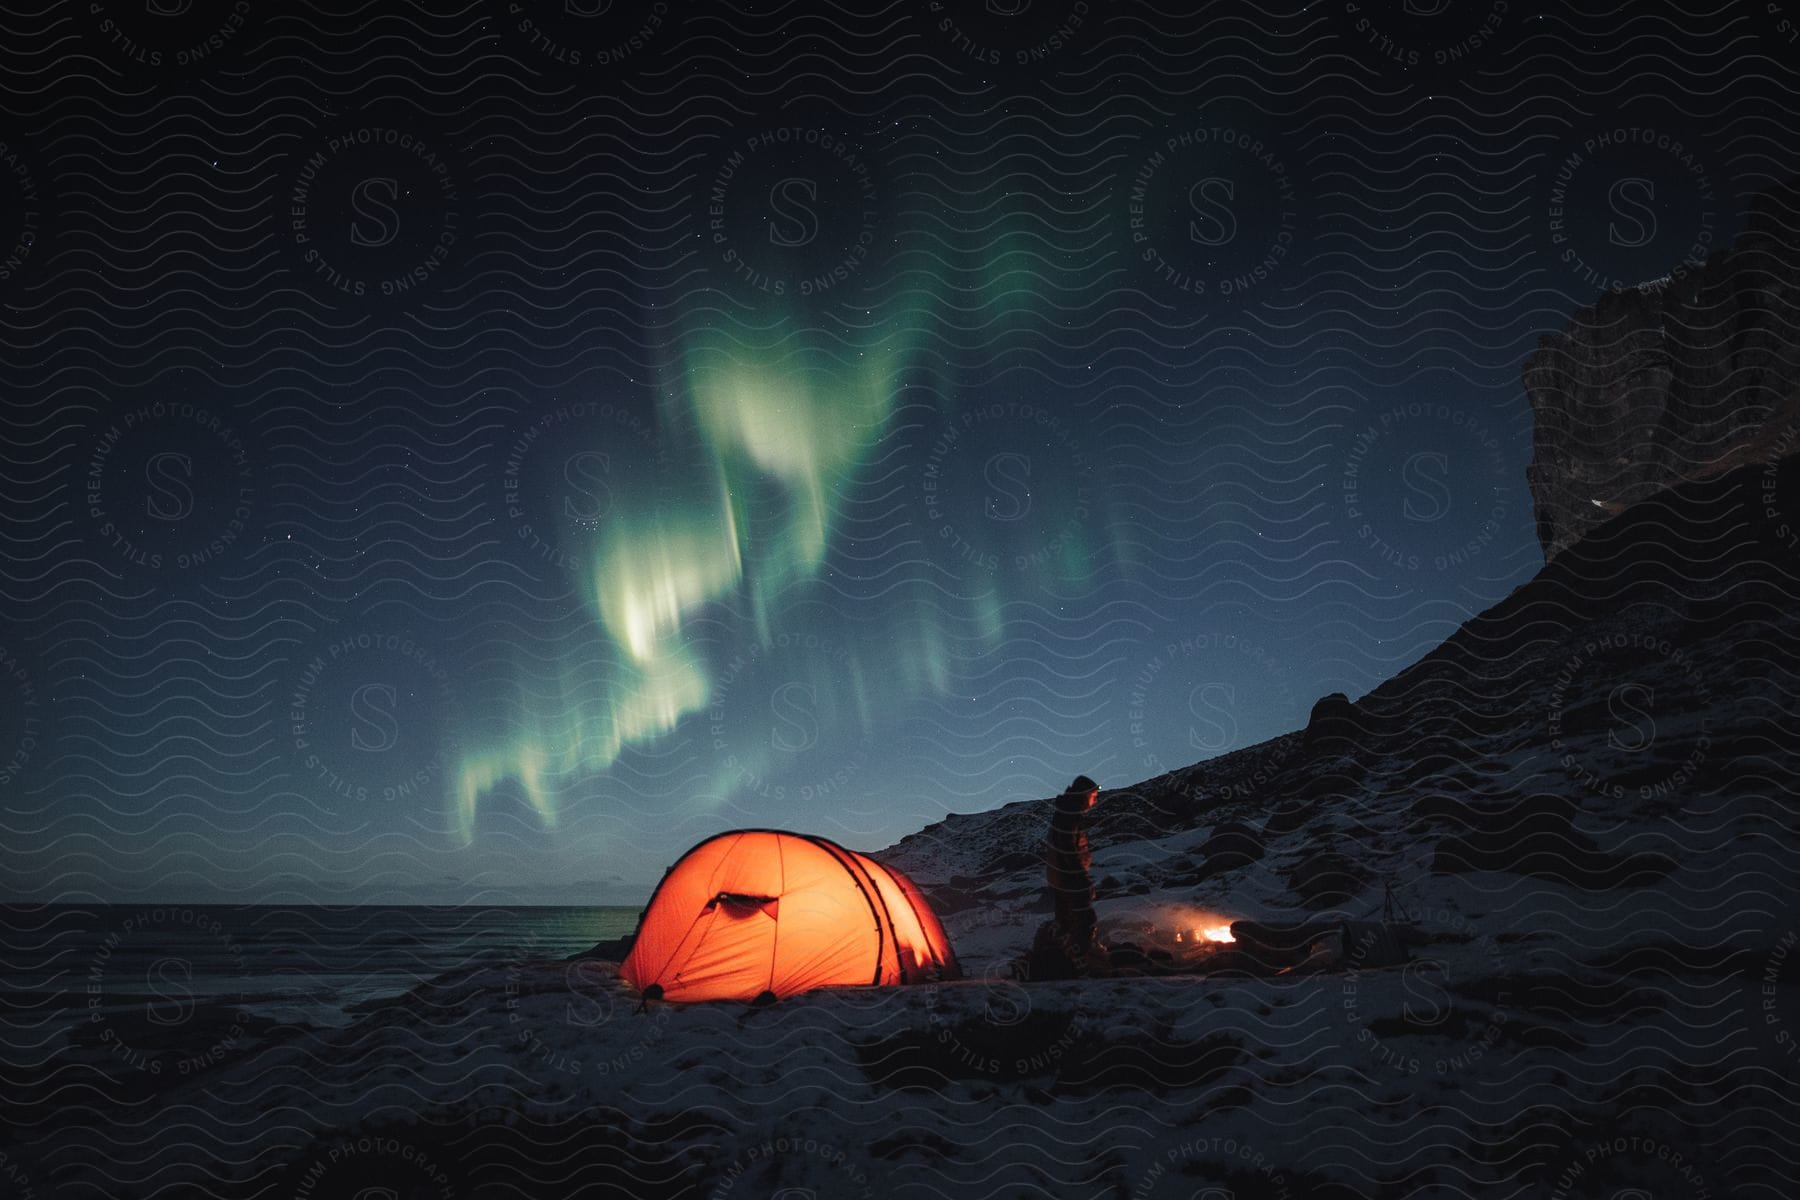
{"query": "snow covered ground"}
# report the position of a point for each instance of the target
(1517, 1046)
(1591, 814)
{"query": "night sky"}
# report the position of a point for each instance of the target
(473, 453)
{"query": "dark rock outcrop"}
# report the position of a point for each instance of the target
(1682, 379)
(1536, 835)
(1231, 845)
(1131, 956)
(611, 950)
(1333, 727)
(1289, 815)
(988, 845)
(1326, 876)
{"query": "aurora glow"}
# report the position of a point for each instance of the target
(784, 416)
(970, 361)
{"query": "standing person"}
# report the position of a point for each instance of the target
(1067, 867)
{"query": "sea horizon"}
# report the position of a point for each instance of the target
(296, 963)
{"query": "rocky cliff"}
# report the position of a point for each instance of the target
(1680, 379)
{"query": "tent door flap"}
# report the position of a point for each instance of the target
(738, 904)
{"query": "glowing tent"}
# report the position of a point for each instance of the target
(760, 912)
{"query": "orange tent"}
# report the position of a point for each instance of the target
(758, 911)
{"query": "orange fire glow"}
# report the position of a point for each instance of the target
(1192, 926)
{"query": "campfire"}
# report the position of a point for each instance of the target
(1190, 926)
(1167, 937)
(1192, 933)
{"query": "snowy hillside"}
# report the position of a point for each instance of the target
(1579, 734)
(1585, 798)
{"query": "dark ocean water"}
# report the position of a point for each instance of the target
(289, 964)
